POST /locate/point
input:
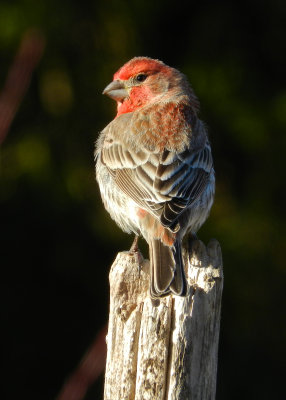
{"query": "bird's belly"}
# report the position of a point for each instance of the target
(122, 209)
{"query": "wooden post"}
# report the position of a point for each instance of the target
(164, 349)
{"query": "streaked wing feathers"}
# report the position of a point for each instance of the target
(115, 156)
(164, 183)
(186, 184)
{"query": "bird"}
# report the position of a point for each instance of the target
(154, 165)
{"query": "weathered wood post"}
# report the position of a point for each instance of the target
(165, 349)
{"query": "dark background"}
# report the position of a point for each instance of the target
(57, 242)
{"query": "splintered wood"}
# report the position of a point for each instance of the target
(164, 349)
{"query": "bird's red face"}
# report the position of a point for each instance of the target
(137, 83)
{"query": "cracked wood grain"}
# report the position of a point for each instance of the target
(164, 349)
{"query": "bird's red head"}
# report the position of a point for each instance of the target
(139, 65)
(139, 82)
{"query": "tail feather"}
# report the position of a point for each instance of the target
(179, 285)
(167, 271)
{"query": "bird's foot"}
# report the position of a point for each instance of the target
(134, 250)
(134, 247)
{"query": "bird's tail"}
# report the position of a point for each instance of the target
(166, 269)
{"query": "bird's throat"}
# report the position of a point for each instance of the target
(138, 97)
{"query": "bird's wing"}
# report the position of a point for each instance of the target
(163, 183)
(184, 178)
(134, 172)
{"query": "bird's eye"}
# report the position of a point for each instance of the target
(141, 77)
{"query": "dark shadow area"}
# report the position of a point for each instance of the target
(57, 242)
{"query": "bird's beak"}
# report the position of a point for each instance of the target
(116, 90)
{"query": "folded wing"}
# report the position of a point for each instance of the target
(162, 183)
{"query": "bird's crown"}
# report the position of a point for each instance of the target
(139, 65)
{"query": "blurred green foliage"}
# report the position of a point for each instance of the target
(57, 240)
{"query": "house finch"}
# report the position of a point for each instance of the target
(154, 165)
